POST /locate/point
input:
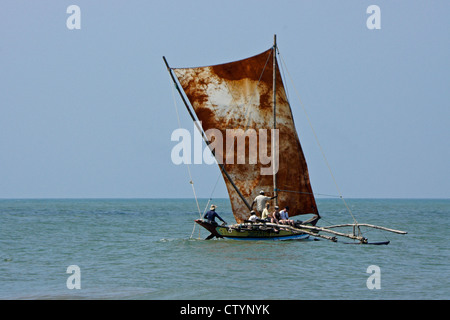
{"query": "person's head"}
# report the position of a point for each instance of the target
(267, 205)
(277, 208)
(252, 212)
(286, 208)
(213, 207)
(261, 192)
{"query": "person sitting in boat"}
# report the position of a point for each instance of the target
(276, 217)
(253, 216)
(261, 201)
(265, 214)
(211, 215)
(285, 217)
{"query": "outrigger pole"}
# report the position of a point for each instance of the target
(313, 231)
(200, 129)
(366, 225)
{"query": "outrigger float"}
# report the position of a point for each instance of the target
(248, 97)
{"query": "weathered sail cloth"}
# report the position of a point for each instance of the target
(239, 95)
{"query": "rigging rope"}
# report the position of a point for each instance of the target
(317, 139)
(188, 167)
(313, 193)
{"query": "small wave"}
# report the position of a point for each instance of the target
(178, 239)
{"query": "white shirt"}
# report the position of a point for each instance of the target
(261, 202)
(253, 217)
(284, 215)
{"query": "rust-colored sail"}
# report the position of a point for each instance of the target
(239, 95)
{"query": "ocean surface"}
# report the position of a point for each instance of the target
(151, 249)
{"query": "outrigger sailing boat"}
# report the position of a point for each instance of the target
(249, 94)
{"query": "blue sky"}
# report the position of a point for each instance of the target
(89, 112)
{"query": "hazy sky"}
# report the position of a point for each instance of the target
(90, 112)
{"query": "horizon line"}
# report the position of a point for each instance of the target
(209, 198)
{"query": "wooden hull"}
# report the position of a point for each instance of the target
(248, 233)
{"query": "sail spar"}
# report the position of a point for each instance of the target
(234, 102)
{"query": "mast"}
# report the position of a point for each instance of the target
(274, 116)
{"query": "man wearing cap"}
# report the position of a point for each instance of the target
(253, 216)
(276, 217)
(212, 214)
(261, 201)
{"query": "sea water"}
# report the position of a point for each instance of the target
(152, 249)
